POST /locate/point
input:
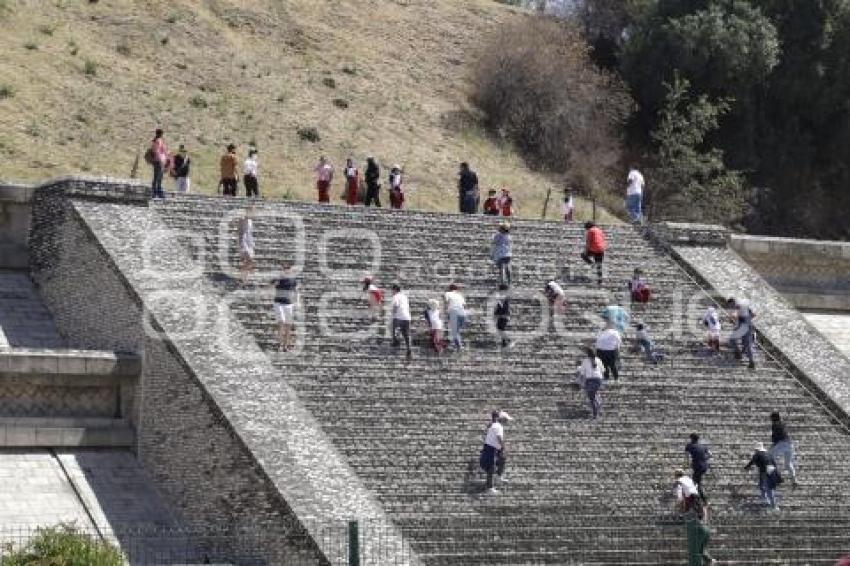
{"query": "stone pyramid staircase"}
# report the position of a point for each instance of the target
(580, 491)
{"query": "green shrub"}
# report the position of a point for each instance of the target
(6, 91)
(63, 545)
(329, 82)
(340, 103)
(31, 46)
(198, 102)
(124, 48)
(46, 30)
(90, 68)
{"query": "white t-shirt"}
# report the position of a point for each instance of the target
(555, 289)
(712, 320)
(685, 487)
(250, 167)
(324, 172)
(401, 307)
(494, 436)
(434, 320)
(568, 206)
(246, 235)
(635, 183)
(587, 370)
(455, 302)
(608, 339)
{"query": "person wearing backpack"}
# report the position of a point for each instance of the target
(157, 157)
(180, 170)
(699, 455)
(228, 164)
(769, 476)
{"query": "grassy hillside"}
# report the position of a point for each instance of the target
(84, 84)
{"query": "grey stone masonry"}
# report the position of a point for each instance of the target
(778, 321)
(14, 225)
(24, 320)
(221, 455)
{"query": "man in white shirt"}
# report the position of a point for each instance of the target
(634, 194)
(493, 454)
(249, 175)
(401, 318)
(608, 344)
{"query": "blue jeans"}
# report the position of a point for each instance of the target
(633, 203)
(786, 450)
(767, 491)
(156, 184)
(456, 322)
(504, 265)
(648, 350)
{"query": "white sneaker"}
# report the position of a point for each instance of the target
(492, 491)
(503, 479)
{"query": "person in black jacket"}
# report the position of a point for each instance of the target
(699, 455)
(373, 173)
(180, 170)
(782, 446)
(502, 312)
(467, 186)
(769, 476)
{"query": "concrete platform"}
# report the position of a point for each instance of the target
(834, 325)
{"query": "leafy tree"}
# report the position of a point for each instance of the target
(690, 180)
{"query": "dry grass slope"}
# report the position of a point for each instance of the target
(88, 82)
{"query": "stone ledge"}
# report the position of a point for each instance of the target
(68, 363)
(686, 234)
(65, 432)
(102, 188)
(18, 193)
(790, 247)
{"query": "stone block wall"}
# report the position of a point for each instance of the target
(14, 225)
(811, 274)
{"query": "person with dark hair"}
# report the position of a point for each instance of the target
(594, 249)
(744, 329)
(456, 308)
(608, 343)
(711, 322)
(401, 318)
(589, 375)
(502, 314)
(638, 287)
(324, 177)
(691, 506)
(782, 446)
(644, 342)
(396, 191)
(501, 252)
(249, 177)
(285, 301)
(491, 204)
(157, 156)
(435, 325)
(769, 476)
(699, 456)
(352, 182)
(634, 194)
(228, 164)
(467, 185)
(568, 207)
(556, 295)
(493, 454)
(373, 188)
(180, 170)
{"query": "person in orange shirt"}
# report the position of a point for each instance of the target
(228, 165)
(594, 249)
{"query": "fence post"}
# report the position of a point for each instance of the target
(694, 536)
(353, 544)
(593, 201)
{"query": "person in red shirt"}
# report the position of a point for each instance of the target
(491, 204)
(594, 249)
(352, 182)
(506, 203)
(396, 192)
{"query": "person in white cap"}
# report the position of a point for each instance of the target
(493, 455)
(769, 476)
